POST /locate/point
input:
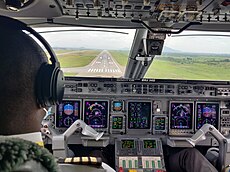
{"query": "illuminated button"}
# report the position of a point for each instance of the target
(153, 164)
(130, 164)
(136, 164)
(159, 164)
(123, 164)
(147, 164)
(132, 170)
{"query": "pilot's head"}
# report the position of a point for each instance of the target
(20, 60)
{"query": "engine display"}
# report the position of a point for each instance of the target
(150, 144)
(207, 113)
(117, 122)
(96, 113)
(181, 115)
(127, 144)
(117, 106)
(67, 112)
(139, 115)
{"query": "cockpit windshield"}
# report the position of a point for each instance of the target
(195, 55)
(91, 52)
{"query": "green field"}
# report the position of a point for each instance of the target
(167, 66)
(189, 67)
(79, 59)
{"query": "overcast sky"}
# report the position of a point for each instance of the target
(116, 41)
(91, 39)
(200, 44)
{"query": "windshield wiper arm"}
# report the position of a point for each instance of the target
(163, 31)
(81, 30)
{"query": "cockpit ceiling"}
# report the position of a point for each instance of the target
(154, 10)
(157, 13)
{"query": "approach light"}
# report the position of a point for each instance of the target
(16, 5)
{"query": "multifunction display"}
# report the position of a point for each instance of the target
(160, 123)
(96, 113)
(117, 106)
(117, 122)
(181, 115)
(67, 112)
(149, 144)
(127, 144)
(207, 113)
(139, 115)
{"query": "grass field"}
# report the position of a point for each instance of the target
(79, 59)
(207, 68)
(167, 66)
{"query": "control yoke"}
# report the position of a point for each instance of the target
(86, 130)
(224, 144)
(59, 142)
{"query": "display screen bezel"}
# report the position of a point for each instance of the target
(112, 106)
(125, 140)
(170, 115)
(57, 110)
(97, 100)
(196, 113)
(122, 125)
(150, 115)
(156, 117)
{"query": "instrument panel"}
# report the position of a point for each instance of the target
(163, 108)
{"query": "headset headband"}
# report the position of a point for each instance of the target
(18, 25)
(49, 86)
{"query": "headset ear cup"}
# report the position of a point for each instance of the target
(50, 85)
(57, 85)
(43, 84)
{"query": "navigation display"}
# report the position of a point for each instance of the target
(127, 144)
(160, 123)
(207, 113)
(181, 115)
(117, 122)
(150, 144)
(117, 106)
(139, 115)
(96, 113)
(67, 112)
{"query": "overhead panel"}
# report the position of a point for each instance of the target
(151, 10)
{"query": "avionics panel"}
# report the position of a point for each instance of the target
(117, 124)
(67, 112)
(142, 154)
(96, 114)
(139, 115)
(127, 146)
(181, 116)
(207, 113)
(117, 106)
(160, 124)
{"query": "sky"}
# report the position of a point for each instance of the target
(91, 39)
(200, 44)
(117, 41)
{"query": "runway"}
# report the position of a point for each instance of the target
(103, 65)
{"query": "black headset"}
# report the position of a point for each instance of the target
(49, 85)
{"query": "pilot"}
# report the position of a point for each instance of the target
(190, 160)
(20, 113)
